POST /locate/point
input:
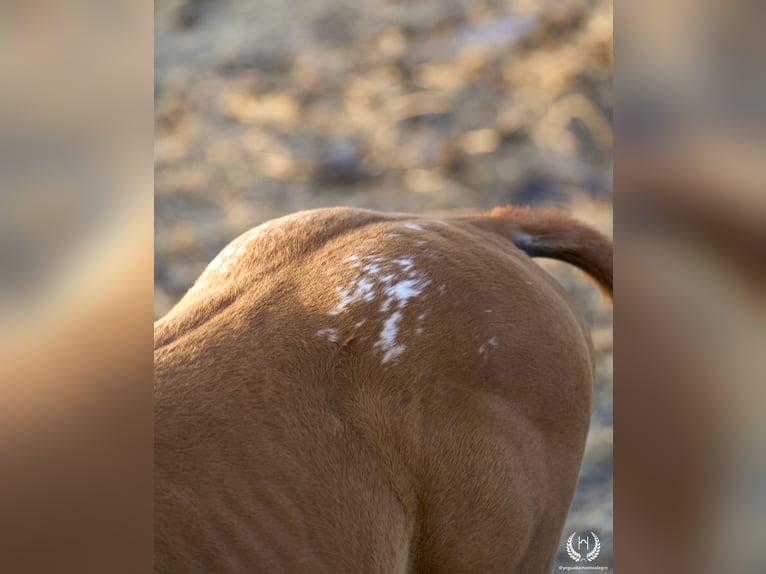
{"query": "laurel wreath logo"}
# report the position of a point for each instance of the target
(590, 556)
(573, 554)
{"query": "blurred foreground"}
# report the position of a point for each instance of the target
(690, 467)
(75, 287)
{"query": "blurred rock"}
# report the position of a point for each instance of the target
(480, 141)
(278, 108)
(538, 190)
(334, 29)
(340, 163)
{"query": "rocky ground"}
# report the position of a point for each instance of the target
(436, 106)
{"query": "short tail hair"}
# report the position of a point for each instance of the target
(548, 233)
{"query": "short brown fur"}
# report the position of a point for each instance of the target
(293, 435)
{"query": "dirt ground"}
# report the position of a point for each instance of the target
(437, 106)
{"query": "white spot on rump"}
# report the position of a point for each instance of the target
(387, 341)
(394, 282)
(363, 290)
(231, 254)
(273, 229)
(406, 263)
(380, 277)
(402, 292)
(491, 343)
(414, 226)
(328, 333)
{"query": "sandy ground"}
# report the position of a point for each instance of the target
(438, 106)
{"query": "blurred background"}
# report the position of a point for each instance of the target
(267, 107)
